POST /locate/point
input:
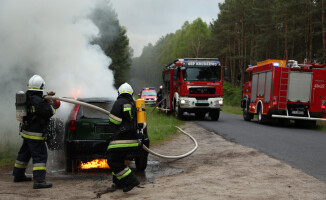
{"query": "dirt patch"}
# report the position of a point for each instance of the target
(217, 170)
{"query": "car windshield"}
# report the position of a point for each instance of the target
(149, 93)
(209, 73)
(94, 114)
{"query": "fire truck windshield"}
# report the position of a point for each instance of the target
(203, 73)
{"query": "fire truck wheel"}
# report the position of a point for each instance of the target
(178, 112)
(215, 115)
(261, 117)
(246, 115)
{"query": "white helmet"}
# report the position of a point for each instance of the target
(161, 87)
(125, 88)
(36, 83)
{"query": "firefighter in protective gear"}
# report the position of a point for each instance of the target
(123, 116)
(39, 112)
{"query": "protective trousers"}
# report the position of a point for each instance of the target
(37, 150)
(122, 174)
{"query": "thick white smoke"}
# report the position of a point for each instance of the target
(51, 39)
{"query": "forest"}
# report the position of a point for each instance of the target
(244, 33)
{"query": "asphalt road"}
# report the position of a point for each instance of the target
(302, 148)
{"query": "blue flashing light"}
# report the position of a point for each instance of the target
(186, 59)
(217, 95)
(216, 59)
(276, 64)
(187, 95)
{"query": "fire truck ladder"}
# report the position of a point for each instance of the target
(283, 89)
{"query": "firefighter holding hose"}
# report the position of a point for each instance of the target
(33, 126)
(123, 116)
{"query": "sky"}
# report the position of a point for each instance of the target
(148, 20)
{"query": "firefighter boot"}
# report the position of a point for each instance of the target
(130, 182)
(22, 179)
(39, 184)
(116, 184)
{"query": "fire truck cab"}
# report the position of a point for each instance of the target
(193, 85)
(285, 90)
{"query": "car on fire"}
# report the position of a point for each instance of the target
(87, 135)
(149, 95)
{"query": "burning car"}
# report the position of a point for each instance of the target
(87, 135)
(149, 95)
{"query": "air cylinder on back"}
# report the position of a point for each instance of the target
(20, 106)
(141, 113)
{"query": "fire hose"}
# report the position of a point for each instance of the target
(143, 146)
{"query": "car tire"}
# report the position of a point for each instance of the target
(215, 114)
(141, 163)
(68, 165)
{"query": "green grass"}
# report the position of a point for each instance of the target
(237, 110)
(7, 157)
(161, 127)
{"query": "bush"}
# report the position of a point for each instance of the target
(231, 94)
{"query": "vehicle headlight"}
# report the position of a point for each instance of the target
(220, 101)
(183, 101)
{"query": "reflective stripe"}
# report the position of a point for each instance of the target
(20, 166)
(32, 133)
(126, 109)
(114, 121)
(115, 118)
(113, 146)
(39, 166)
(32, 137)
(123, 91)
(53, 110)
(126, 105)
(123, 141)
(123, 173)
(21, 162)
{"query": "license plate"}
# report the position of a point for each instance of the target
(297, 112)
(202, 101)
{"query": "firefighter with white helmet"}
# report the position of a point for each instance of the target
(123, 117)
(33, 126)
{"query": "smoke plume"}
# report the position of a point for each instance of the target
(54, 40)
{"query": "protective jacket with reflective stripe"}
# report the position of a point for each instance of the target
(38, 116)
(123, 115)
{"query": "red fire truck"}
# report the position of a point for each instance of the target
(193, 85)
(285, 90)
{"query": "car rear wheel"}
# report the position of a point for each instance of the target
(141, 163)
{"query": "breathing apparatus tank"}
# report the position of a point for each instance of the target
(141, 114)
(21, 110)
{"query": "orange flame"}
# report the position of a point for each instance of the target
(97, 163)
(75, 93)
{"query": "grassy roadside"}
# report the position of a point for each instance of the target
(7, 156)
(161, 126)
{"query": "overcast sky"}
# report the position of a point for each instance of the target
(147, 20)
